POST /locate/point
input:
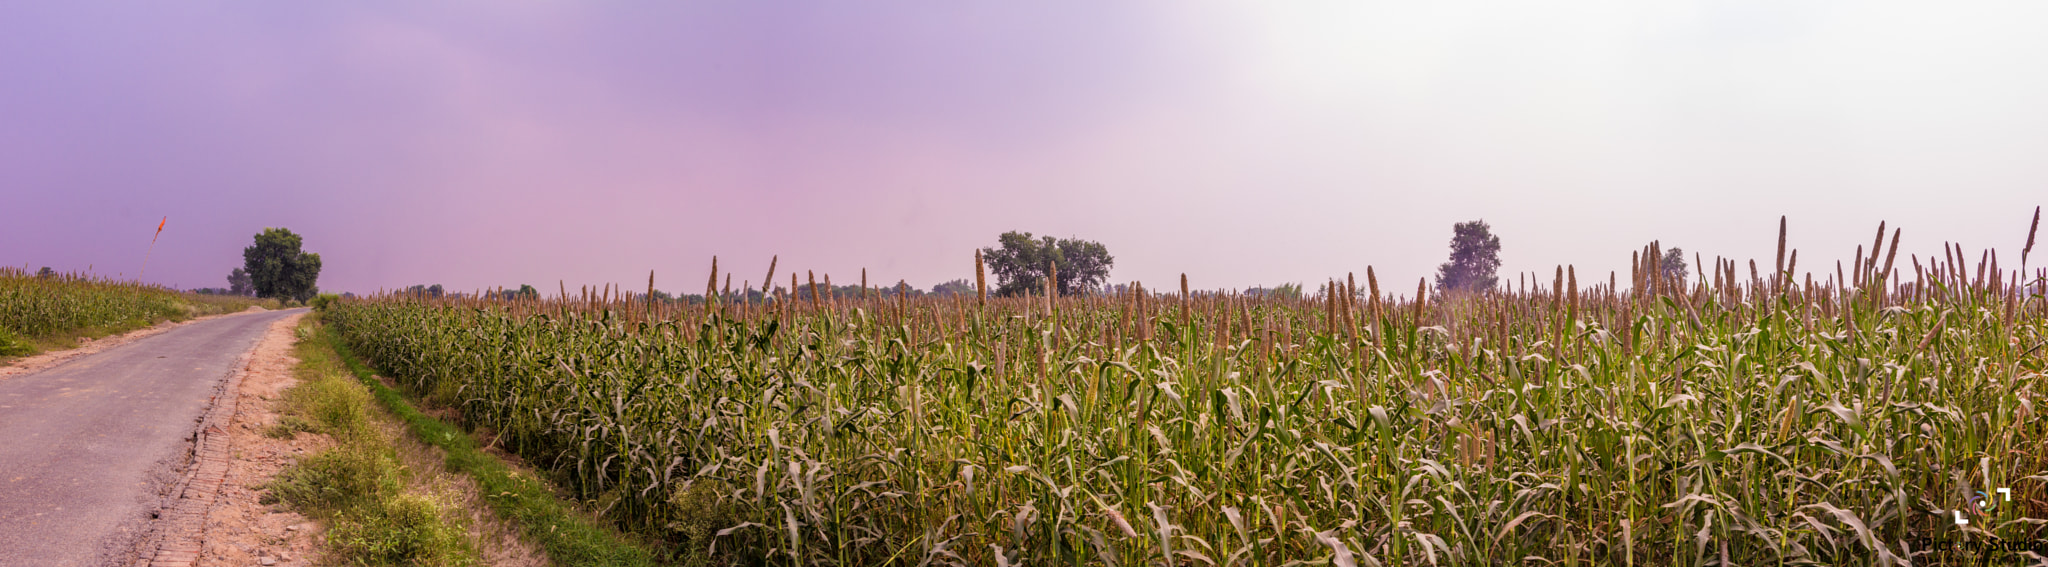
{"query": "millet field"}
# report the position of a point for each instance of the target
(1744, 417)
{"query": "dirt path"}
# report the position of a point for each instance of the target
(240, 530)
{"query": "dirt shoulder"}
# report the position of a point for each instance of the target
(239, 529)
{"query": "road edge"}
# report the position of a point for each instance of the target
(179, 523)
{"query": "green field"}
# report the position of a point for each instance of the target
(1743, 418)
(44, 312)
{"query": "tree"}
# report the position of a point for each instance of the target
(424, 290)
(849, 290)
(1022, 263)
(901, 288)
(240, 284)
(46, 273)
(524, 292)
(955, 287)
(1475, 257)
(1282, 291)
(1674, 267)
(278, 269)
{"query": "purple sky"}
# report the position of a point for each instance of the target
(479, 144)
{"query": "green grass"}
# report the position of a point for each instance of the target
(359, 485)
(567, 536)
(12, 344)
(1644, 425)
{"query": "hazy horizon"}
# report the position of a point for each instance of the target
(480, 145)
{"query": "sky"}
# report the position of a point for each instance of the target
(484, 144)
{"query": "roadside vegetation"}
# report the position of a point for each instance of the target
(1757, 418)
(374, 507)
(371, 483)
(568, 536)
(47, 310)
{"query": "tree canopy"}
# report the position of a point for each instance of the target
(955, 287)
(1674, 267)
(424, 290)
(1475, 258)
(1283, 291)
(239, 283)
(1022, 263)
(279, 269)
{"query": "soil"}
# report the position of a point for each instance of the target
(240, 530)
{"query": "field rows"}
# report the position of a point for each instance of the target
(42, 308)
(1755, 420)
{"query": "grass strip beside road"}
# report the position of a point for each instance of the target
(567, 536)
(378, 511)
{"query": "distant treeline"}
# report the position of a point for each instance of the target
(803, 291)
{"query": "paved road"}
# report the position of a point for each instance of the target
(88, 447)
